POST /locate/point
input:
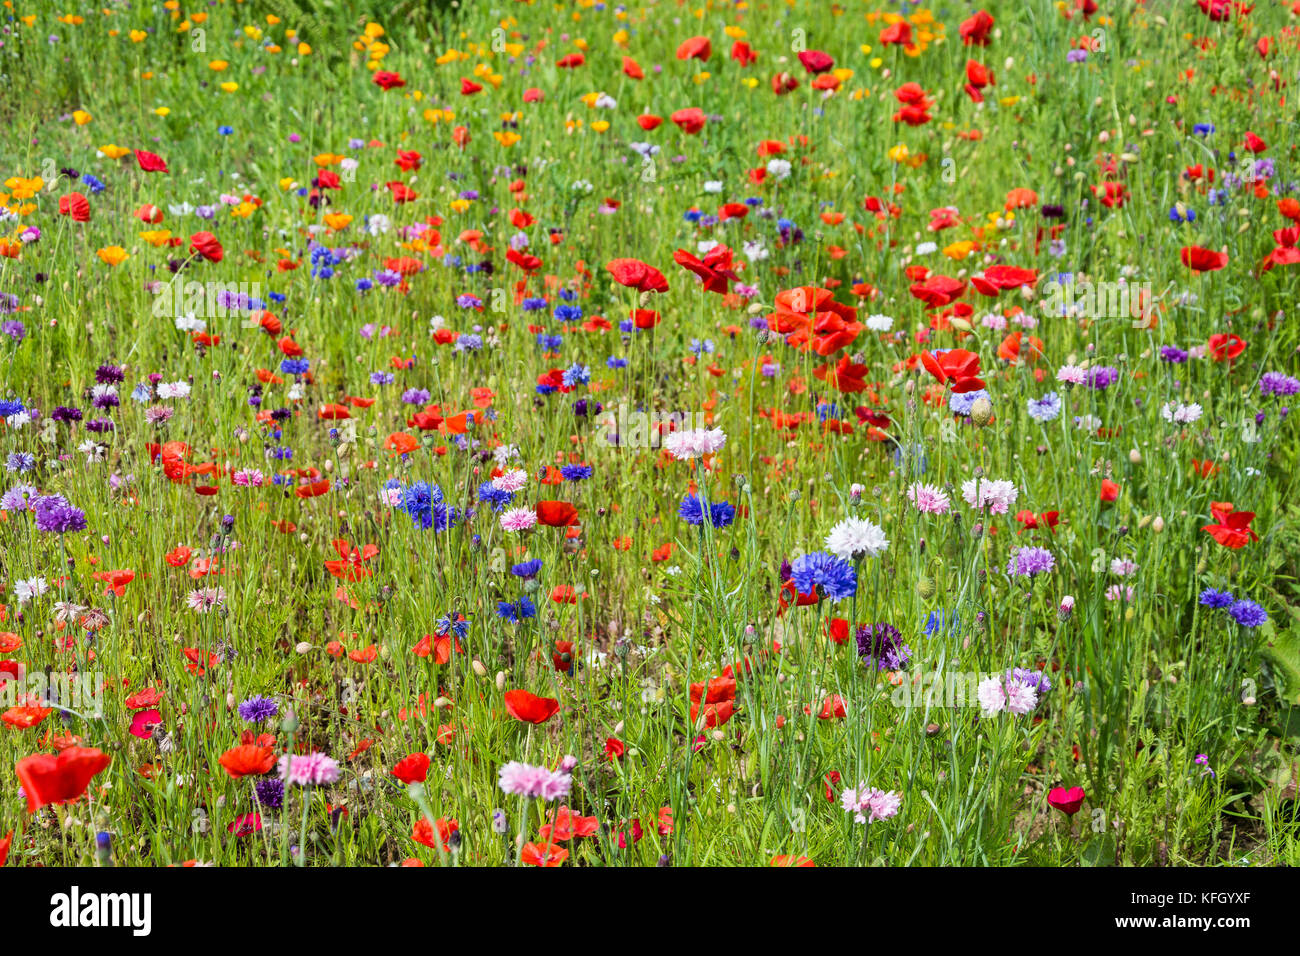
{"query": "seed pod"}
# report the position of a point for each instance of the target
(981, 412)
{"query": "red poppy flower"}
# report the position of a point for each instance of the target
(958, 366)
(614, 748)
(1109, 490)
(387, 80)
(76, 206)
(696, 48)
(975, 30)
(206, 245)
(1230, 528)
(638, 275)
(59, 779)
(1225, 347)
(544, 854)
(566, 825)
(1067, 801)
(412, 769)
(556, 514)
(1203, 260)
(530, 708)
(715, 268)
(743, 53)
(247, 760)
(690, 120)
(632, 69)
(815, 61)
(423, 833)
(151, 162)
(783, 859)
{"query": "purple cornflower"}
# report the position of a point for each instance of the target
(257, 709)
(1029, 561)
(270, 793)
(882, 644)
(1275, 383)
(1101, 377)
(55, 514)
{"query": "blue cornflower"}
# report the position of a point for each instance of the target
(1045, 409)
(497, 498)
(1247, 613)
(836, 577)
(520, 610)
(576, 472)
(1215, 599)
(527, 569)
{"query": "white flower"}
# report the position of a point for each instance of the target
(1122, 567)
(856, 537)
(880, 323)
(378, 224)
(1180, 414)
(992, 698)
(188, 323)
(173, 389)
(606, 102)
(29, 588)
(778, 169)
(713, 186)
(92, 450)
(927, 248)
(755, 251)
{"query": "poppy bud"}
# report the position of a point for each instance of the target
(1158, 524)
(926, 589)
(479, 669)
(981, 412)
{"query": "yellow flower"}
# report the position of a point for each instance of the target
(24, 188)
(600, 125)
(735, 33)
(702, 77)
(959, 250)
(337, 220)
(900, 152)
(81, 117)
(287, 183)
(138, 36)
(113, 151)
(162, 111)
(112, 255)
(374, 30)
(156, 237)
(460, 205)
(506, 137)
(230, 87)
(218, 66)
(1009, 101)
(621, 38)
(304, 49)
(326, 159)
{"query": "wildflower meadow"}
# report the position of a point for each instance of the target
(649, 434)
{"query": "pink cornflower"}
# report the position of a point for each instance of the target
(204, 600)
(694, 443)
(248, 478)
(929, 499)
(518, 519)
(995, 496)
(867, 804)
(512, 481)
(524, 780)
(308, 769)
(1070, 375)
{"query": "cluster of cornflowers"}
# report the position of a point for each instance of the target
(1244, 612)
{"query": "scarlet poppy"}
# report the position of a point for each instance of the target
(556, 514)
(59, 779)
(530, 708)
(544, 854)
(1230, 528)
(150, 162)
(637, 275)
(413, 768)
(423, 832)
(247, 760)
(206, 245)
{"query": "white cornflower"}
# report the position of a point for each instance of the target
(855, 538)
